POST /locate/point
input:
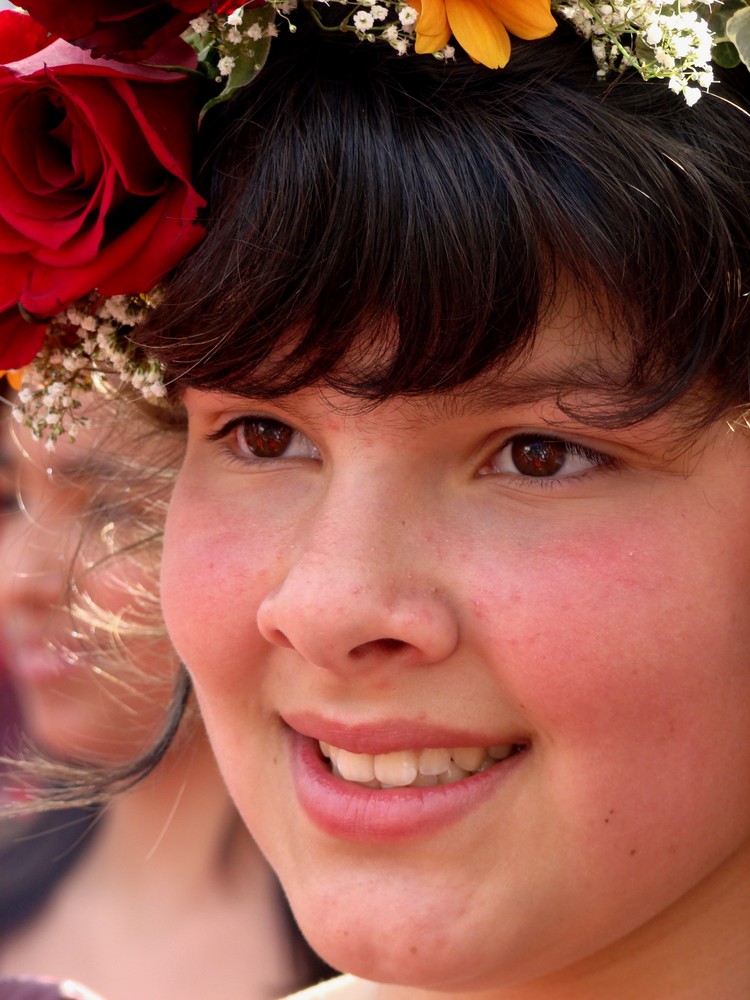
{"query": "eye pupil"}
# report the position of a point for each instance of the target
(538, 456)
(266, 438)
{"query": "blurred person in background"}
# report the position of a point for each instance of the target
(161, 893)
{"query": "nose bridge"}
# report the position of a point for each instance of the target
(33, 562)
(361, 582)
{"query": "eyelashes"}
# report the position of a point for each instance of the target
(262, 439)
(531, 456)
(542, 456)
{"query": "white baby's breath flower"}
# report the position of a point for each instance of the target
(254, 32)
(379, 12)
(234, 36)
(200, 25)
(235, 18)
(225, 65)
(408, 16)
(363, 20)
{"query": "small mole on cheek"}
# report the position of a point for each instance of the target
(607, 818)
(632, 852)
(413, 950)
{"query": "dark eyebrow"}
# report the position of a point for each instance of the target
(590, 383)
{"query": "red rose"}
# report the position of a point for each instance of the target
(128, 29)
(95, 177)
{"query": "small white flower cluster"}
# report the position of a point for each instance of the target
(87, 341)
(234, 37)
(389, 22)
(669, 40)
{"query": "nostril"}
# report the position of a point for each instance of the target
(378, 646)
(277, 636)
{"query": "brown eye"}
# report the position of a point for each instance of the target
(264, 438)
(536, 456)
(539, 456)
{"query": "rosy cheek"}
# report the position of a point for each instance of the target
(584, 623)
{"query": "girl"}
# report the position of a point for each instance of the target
(457, 556)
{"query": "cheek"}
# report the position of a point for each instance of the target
(212, 582)
(628, 653)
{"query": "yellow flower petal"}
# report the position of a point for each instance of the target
(14, 378)
(479, 31)
(432, 28)
(525, 18)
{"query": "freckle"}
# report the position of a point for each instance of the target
(413, 950)
(633, 851)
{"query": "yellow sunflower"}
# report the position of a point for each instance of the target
(481, 27)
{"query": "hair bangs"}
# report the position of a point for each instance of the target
(393, 226)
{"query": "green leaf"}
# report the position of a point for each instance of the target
(249, 57)
(720, 15)
(726, 55)
(738, 32)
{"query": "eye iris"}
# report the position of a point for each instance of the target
(266, 438)
(538, 457)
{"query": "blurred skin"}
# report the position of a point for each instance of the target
(171, 899)
(76, 699)
(406, 576)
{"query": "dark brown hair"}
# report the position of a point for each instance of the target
(420, 214)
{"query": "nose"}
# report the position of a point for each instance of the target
(360, 590)
(33, 566)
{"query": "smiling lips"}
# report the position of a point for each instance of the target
(414, 768)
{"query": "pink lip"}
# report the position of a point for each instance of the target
(36, 664)
(391, 735)
(353, 812)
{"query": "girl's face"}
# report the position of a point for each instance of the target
(558, 610)
(81, 694)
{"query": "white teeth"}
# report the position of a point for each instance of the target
(453, 774)
(469, 758)
(354, 766)
(434, 762)
(415, 768)
(397, 769)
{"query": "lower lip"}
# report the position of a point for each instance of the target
(354, 812)
(36, 666)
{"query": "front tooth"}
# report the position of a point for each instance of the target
(454, 773)
(425, 780)
(397, 769)
(434, 761)
(325, 748)
(469, 758)
(355, 766)
(500, 752)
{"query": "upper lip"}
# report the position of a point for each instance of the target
(389, 735)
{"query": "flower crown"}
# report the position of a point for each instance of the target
(99, 111)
